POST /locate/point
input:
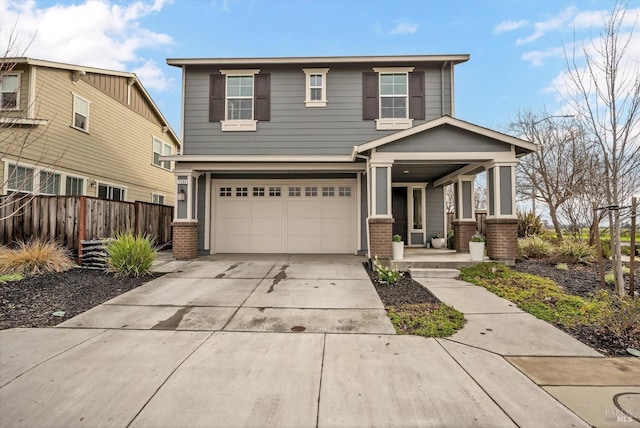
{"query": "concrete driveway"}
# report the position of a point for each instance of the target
(218, 343)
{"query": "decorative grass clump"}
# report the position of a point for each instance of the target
(426, 319)
(534, 247)
(575, 252)
(130, 255)
(541, 297)
(34, 258)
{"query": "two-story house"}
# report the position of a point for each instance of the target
(76, 130)
(333, 155)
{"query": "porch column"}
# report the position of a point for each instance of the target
(380, 220)
(185, 223)
(464, 222)
(502, 222)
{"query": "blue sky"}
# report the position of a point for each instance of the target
(515, 46)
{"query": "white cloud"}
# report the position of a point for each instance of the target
(404, 28)
(536, 58)
(508, 26)
(96, 33)
(543, 27)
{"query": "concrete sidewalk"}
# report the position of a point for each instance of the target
(213, 344)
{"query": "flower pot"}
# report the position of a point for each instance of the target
(437, 242)
(398, 250)
(476, 249)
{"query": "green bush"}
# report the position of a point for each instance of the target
(534, 247)
(390, 274)
(619, 315)
(562, 266)
(34, 258)
(575, 252)
(609, 277)
(130, 255)
(450, 239)
(529, 224)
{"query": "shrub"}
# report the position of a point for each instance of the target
(34, 258)
(450, 239)
(390, 274)
(619, 315)
(130, 255)
(478, 237)
(575, 252)
(534, 247)
(396, 238)
(529, 224)
(562, 266)
(609, 278)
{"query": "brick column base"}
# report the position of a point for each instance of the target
(463, 230)
(380, 234)
(502, 239)
(185, 239)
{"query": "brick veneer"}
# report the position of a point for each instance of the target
(185, 239)
(502, 239)
(380, 234)
(463, 230)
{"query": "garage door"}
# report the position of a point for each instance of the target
(294, 217)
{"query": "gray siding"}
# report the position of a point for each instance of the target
(467, 196)
(505, 190)
(445, 138)
(435, 210)
(294, 128)
(381, 191)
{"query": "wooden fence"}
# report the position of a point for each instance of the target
(70, 219)
(481, 216)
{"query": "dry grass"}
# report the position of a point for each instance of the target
(34, 258)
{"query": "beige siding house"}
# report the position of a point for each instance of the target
(67, 130)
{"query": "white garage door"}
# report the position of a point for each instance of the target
(292, 217)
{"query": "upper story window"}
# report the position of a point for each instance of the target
(161, 148)
(239, 99)
(316, 87)
(80, 113)
(394, 97)
(10, 92)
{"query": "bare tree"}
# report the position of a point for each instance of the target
(560, 168)
(603, 88)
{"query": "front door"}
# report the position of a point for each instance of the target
(399, 212)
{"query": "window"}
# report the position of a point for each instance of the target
(75, 186)
(157, 199)
(328, 191)
(161, 148)
(344, 191)
(9, 92)
(225, 192)
(258, 191)
(311, 191)
(316, 87)
(294, 191)
(49, 183)
(393, 96)
(417, 208)
(242, 191)
(275, 191)
(80, 113)
(239, 98)
(20, 179)
(113, 193)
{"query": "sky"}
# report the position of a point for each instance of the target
(516, 48)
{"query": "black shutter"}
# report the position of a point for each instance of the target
(416, 95)
(261, 96)
(369, 95)
(216, 98)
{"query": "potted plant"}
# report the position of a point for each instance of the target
(437, 241)
(397, 247)
(476, 247)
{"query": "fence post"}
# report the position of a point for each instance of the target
(82, 223)
(136, 219)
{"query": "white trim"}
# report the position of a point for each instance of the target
(322, 102)
(18, 74)
(241, 72)
(73, 112)
(164, 145)
(457, 58)
(449, 178)
(262, 158)
(358, 212)
(452, 86)
(182, 104)
(22, 121)
(239, 125)
(461, 157)
(207, 211)
(447, 120)
(37, 170)
(395, 70)
(389, 192)
(391, 124)
(164, 197)
(106, 183)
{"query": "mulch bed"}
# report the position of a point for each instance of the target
(32, 301)
(405, 291)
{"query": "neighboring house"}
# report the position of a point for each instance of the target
(333, 155)
(75, 130)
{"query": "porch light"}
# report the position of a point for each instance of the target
(181, 195)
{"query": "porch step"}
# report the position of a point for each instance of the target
(433, 273)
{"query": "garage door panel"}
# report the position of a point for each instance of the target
(267, 208)
(233, 244)
(267, 226)
(233, 208)
(267, 244)
(304, 226)
(305, 208)
(233, 226)
(332, 226)
(341, 208)
(304, 244)
(337, 244)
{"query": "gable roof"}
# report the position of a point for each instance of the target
(81, 68)
(524, 147)
(369, 59)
